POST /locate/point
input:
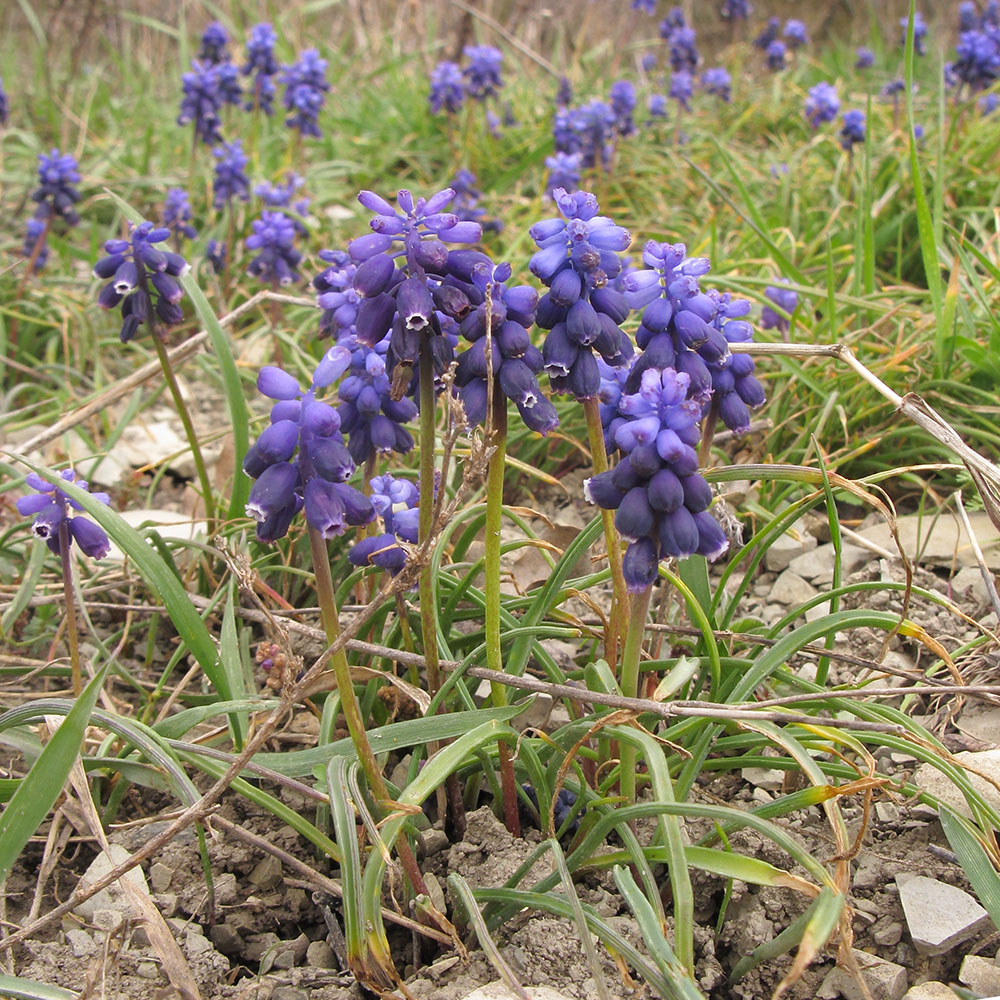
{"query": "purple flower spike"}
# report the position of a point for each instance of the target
(51, 507)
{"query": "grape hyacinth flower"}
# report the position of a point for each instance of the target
(735, 10)
(395, 502)
(277, 258)
(230, 180)
(214, 40)
(215, 254)
(587, 130)
(735, 389)
(305, 92)
(822, 104)
(776, 56)
(683, 50)
(35, 233)
(863, 57)
(56, 194)
(466, 203)
(676, 330)
(564, 93)
(177, 214)
(919, 32)
(795, 32)
(260, 61)
(142, 279)
(768, 35)
(201, 102)
(785, 299)
(338, 298)
(300, 462)
(51, 508)
(681, 88)
(482, 71)
(564, 171)
(515, 362)
(622, 99)
(649, 6)
(717, 81)
(577, 257)
(229, 84)
(283, 196)
(853, 129)
(657, 109)
(978, 62)
(661, 500)
(4, 106)
(968, 16)
(987, 105)
(447, 88)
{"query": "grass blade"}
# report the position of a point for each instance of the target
(975, 862)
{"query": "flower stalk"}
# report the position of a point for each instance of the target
(69, 595)
(631, 655)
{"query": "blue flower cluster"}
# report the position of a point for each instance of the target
(300, 461)
(260, 62)
(776, 55)
(563, 171)
(305, 92)
(681, 41)
(853, 128)
(56, 195)
(681, 88)
(919, 32)
(34, 233)
(717, 81)
(735, 10)
(52, 508)
(4, 106)
(622, 96)
(768, 35)
(201, 101)
(177, 214)
(447, 88)
(587, 131)
(277, 258)
(822, 104)
(660, 499)
(482, 71)
(577, 257)
(863, 57)
(978, 57)
(795, 32)
(514, 361)
(395, 502)
(785, 299)
(229, 179)
(142, 279)
(214, 40)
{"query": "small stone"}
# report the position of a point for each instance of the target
(887, 812)
(160, 876)
(771, 778)
(929, 779)
(225, 889)
(147, 970)
(112, 897)
(888, 933)
(435, 892)
(536, 715)
(267, 873)
(761, 796)
(80, 943)
(433, 842)
(400, 773)
(931, 990)
(885, 980)
(791, 589)
(816, 566)
(226, 939)
(108, 920)
(166, 903)
(939, 916)
(291, 953)
(981, 975)
(320, 955)
(196, 944)
(785, 548)
(257, 945)
(500, 991)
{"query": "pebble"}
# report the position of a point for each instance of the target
(791, 589)
(885, 980)
(771, 778)
(266, 874)
(939, 916)
(785, 548)
(226, 939)
(887, 934)
(929, 779)
(433, 842)
(160, 876)
(147, 970)
(817, 564)
(112, 897)
(320, 955)
(981, 975)
(80, 943)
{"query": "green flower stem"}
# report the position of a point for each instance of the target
(630, 684)
(326, 596)
(428, 619)
(189, 431)
(69, 595)
(619, 599)
(494, 660)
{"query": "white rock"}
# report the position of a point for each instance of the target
(500, 991)
(169, 524)
(945, 543)
(80, 943)
(968, 583)
(929, 779)
(817, 565)
(932, 990)
(771, 778)
(791, 589)
(785, 548)
(980, 975)
(113, 896)
(939, 916)
(885, 980)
